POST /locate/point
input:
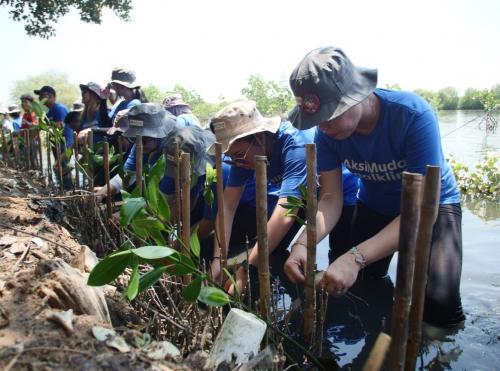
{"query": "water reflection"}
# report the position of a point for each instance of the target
(483, 209)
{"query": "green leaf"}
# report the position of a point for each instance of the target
(109, 268)
(294, 201)
(130, 209)
(125, 195)
(195, 243)
(153, 252)
(208, 196)
(163, 208)
(68, 152)
(153, 193)
(158, 169)
(98, 160)
(231, 278)
(191, 291)
(38, 109)
(150, 278)
(183, 265)
(213, 296)
(133, 285)
(148, 223)
(158, 237)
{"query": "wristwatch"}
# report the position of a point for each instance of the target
(358, 257)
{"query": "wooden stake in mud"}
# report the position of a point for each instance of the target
(49, 159)
(138, 163)
(40, 150)
(377, 354)
(86, 161)
(59, 165)
(15, 147)
(186, 201)
(263, 248)
(27, 149)
(177, 186)
(23, 133)
(220, 208)
(90, 168)
(409, 221)
(75, 154)
(106, 178)
(5, 150)
(309, 329)
(428, 214)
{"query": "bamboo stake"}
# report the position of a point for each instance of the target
(428, 214)
(27, 143)
(106, 178)
(5, 150)
(377, 354)
(220, 209)
(177, 185)
(410, 215)
(86, 161)
(59, 165)
(49, 159)
(17, 156)
(138, 163)
(186, 201)
(40, 150)
(263, 248)
(90, 143)
(22, 134)
(75, 154)
(309, 324)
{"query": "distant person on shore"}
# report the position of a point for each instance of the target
(29, 117)
(180, 109)
(57, 113)
(15, 118)
(377, 134)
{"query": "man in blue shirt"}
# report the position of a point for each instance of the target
(244, 133)
(377, 134)
(56, 113)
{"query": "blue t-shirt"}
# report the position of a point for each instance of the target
(406, 138)
(16, 124)
(57, 113)
(167, 187)
(187, 119)
(287, 164)
(350, 185)
(123, 105)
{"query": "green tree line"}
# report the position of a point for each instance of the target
(273, 97)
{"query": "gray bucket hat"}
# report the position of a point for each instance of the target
(124, 77)
(193, 140)
(78, 106)
(93, 87)
(326, 84)
(174, 100)
(149, 120)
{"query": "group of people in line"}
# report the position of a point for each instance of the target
(365, 137)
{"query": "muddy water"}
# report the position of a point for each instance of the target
(354, 321)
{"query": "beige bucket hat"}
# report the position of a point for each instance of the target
(238, 120)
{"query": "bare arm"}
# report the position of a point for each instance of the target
(232, 197)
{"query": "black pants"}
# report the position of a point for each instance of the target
(443, 305)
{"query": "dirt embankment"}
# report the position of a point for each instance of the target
(47, 312)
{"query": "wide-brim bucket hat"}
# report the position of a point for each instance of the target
(14, 108)
(193, 140)
(238, 120)
(149, 120)
(93, 87)
(326, 84)
(124, 77)
(174, 100)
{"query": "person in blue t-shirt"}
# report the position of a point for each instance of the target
(56, 113)
(15, 118)
(180, 109)
(244, 133)
(377, 134)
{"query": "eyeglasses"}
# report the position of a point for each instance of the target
(240, 160)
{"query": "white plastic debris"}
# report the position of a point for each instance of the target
(159, 350)
(241, 335)
(111, 338)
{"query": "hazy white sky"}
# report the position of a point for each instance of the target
(213, 46)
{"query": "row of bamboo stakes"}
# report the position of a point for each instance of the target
(419, 206)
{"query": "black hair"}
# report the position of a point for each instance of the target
(15, 115)
(139, 94)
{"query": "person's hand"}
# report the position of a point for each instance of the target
(81, 134)
(99, 194)
(341, 275)
(241, 279)
(295, 265)
(105, 93)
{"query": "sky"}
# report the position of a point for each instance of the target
(214, 46)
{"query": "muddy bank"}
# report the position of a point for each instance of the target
(42, 282)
